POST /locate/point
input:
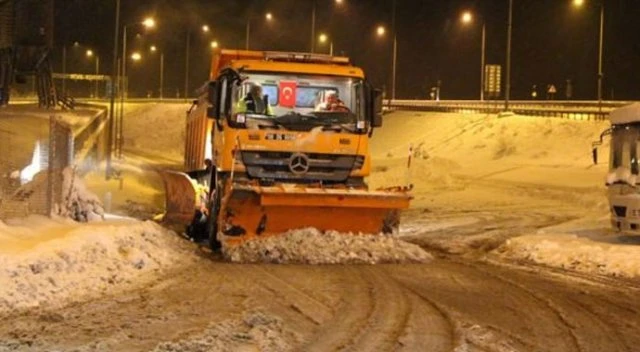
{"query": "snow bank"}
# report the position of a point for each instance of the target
(571, 252)
(78, 203)
(52, 263)
(310, 246)
(255, 332)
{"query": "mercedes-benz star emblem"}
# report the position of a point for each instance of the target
(299, 164)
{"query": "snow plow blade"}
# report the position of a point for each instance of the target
(180, 198)
(254, 211)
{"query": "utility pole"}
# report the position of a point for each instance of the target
(507, 93)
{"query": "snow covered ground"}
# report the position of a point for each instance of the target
(48, 263)
(515, 188)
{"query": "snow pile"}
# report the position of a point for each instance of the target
(45, 263)
(310, 246)
(255, 332)
(571, 252)
(78, 203)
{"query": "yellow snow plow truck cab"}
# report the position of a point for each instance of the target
(280, 141)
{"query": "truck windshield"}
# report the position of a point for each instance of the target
(624, 148)
(301, 102)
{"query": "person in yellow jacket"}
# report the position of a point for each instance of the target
(255, 102)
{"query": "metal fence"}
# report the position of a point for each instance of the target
(34, 185)
(577, 110)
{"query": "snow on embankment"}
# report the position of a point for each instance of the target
(449, 148)
(310, 246)
(571, 252)
(157, 130)
(49, 263)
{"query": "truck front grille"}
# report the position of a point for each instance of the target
(321, 167)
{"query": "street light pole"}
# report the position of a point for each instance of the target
(247, 33)
(161, 75)
(507, 93)
(394, 66)
(483, 60)
(114, 77)
(600, 73)
(313, 26)
(123, 93)
(186, 69)
(64, 70)
(97, 73)
(395, 51)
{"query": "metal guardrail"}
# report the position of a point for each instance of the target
(85, 139)
(578, 110)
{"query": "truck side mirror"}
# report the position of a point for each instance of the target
(376, 119)
(213, 98)
(595, 155)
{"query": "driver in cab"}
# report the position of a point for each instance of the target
(255, 102)
(333, 104)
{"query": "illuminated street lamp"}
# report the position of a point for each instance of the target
(579, 4)
(267, 16)
(381, 32)
(89, 54)
(313, 21)
(205, 30)
(147, 23)
(154, 49)
(214, 44)
(467, 19)
(323, 39)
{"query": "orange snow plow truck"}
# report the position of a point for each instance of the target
(280, 141)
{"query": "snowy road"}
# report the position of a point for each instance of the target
(448, 305)
(476, 187)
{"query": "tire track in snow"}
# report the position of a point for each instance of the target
(572, 323)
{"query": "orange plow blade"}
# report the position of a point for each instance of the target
(180, 197)
(263, 211)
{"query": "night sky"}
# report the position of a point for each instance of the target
(552, 40)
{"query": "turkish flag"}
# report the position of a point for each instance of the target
(288, 94)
